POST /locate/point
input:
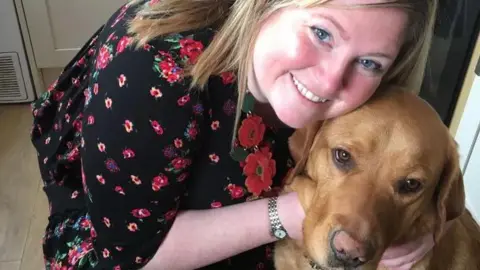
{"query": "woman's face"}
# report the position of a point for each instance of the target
(317, 63)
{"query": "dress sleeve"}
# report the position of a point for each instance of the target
(141, 128)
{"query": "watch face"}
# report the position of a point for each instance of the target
(280, 234)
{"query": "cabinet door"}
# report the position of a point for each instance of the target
(59, 28)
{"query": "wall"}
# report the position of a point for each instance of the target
(465, 91)
(49, 75)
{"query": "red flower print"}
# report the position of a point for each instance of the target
(182, 177)
(140, 213)
(259, 169)
(159, 182)
(73, 155)
(133, 227)
(67, 118)
(135, 180)
(236, 192)
(93, 233)
(122, 80)
(74, 194)
(78, 125)
(117, 267)
(101, 147)
(123, 43)
(156, 127)
(106, 221)
(170, 214)
(104, 57)
(138, 260)
(111, 37)
(108, 103)
(45, 160)
(58, 96)
(85, 223)
(47, 140)
(90, 120)
(180, 163)
(128, 126)
(101, 179)
(128, 153)
(178, 143)
(118, 248)
(215, 125)
(106, 253)
(95, 89)
(52, 86)
(81, 61)
(192, 131)
(216, 204)
(170, 70)
(183, 100)
(251, 131)
(119, 189)
(147, 47)
(228, 77)
(190, 49)
(156, 93)
(214, 158)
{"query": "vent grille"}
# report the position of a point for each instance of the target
(11, 80)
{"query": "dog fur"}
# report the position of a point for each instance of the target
(394, 137)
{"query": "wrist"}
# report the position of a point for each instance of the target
(291, 214)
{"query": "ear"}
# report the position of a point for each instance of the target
(300, 143)
(450, 198)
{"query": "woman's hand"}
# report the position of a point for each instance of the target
(403, 257)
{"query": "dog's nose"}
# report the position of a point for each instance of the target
(348, 251)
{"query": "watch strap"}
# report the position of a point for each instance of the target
(276, 227)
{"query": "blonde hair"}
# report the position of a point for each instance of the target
(239, 21)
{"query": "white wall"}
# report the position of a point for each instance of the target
(467, 136)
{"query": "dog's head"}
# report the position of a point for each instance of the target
(385, 174)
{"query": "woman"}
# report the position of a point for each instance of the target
(162, 141)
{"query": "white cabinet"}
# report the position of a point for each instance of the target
(59, 28)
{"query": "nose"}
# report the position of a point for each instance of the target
(331, 77)
(348, 251)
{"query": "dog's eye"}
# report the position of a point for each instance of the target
(407, 186)
(342, 159)
(341, 155)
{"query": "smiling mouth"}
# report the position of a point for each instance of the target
(306, 93)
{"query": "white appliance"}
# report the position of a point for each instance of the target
(16, 85)
(468, 139)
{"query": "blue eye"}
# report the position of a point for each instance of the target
(370, 65)
(322, 35)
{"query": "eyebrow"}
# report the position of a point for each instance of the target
(342, 31)
(345, 36)
(381, 55)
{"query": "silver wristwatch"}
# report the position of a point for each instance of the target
(276, 227)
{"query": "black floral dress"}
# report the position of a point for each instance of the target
(123, 146)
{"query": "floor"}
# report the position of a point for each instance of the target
(23, 206)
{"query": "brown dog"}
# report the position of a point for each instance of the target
(384, 174)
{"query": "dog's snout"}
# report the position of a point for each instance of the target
(348, 251)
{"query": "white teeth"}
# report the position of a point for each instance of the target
(307, 94)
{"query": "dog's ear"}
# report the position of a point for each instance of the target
(450, 195)
(300, 143)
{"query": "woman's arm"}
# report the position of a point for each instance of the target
(202, 237)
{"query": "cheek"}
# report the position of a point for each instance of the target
(277, 53)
